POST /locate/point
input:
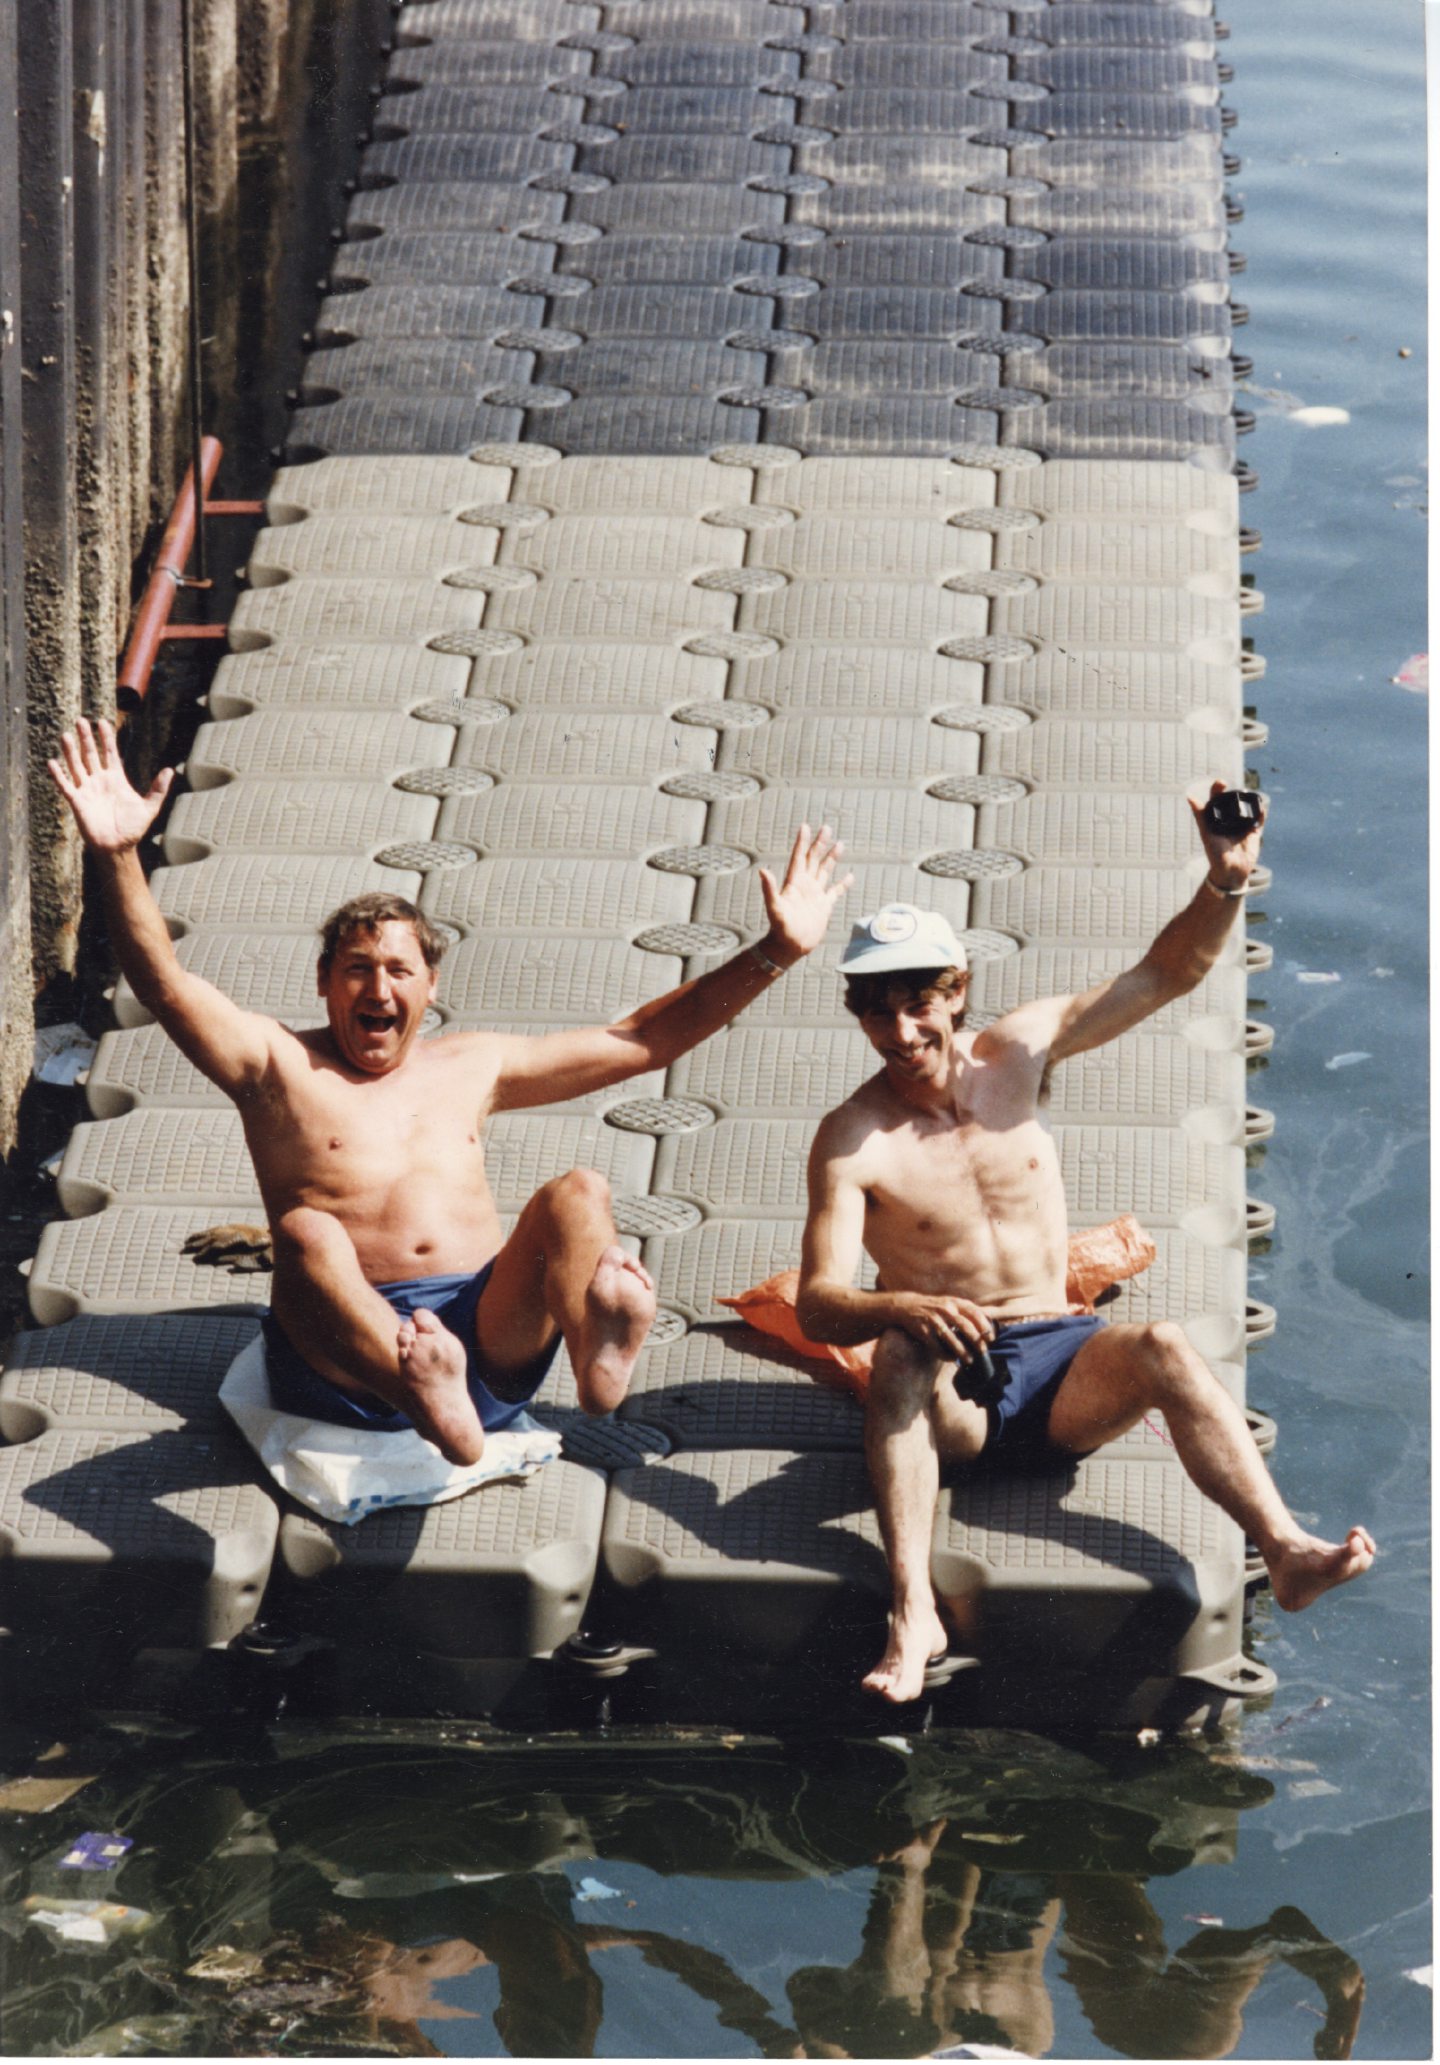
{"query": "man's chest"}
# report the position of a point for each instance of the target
(413, 1118)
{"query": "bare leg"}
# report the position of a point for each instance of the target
(562, 1270)
(903, 1453)
(1124, 1372)
(344, 1329)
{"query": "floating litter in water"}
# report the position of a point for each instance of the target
(1316, 975)
(225, 1965)
(1319, 418)
(95, 1852)
(1415, 674)
(596, 1889)
(1311, 1789)
(1423, 1975)
(85, 1921)
(896, 1742)
(1207, 1921)
(1347, 1060)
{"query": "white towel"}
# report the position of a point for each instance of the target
(343, 1473)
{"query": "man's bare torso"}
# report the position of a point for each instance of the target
(967, 1201)
(397, 1158)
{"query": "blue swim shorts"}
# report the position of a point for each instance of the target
(297, 1388)
(1033, 1355)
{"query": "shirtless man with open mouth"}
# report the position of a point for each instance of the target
(397, 1300)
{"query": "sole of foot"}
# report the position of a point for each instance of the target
(433, 1363)
(619, 1308)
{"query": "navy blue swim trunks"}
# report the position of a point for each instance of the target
(1033, 1355)
(297, 1388)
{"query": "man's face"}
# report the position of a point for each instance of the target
(377, 991)
(915, 1040)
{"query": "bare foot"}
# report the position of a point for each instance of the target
(619, 1306)
(1301, 1570)
(437, 1399)
(914, 1639)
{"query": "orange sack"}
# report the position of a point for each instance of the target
(1099, 1257)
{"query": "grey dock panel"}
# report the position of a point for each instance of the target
(121, 1372)
(504, 1576)
(163, 1532)
(723, 415)
(754, 1552)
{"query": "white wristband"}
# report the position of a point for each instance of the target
(1230, 895)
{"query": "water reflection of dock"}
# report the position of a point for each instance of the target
(373, 1889)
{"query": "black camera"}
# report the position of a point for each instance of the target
(1234, 812)
(982, 1378)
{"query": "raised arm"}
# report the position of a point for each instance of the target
(227, 1044)
(830, 1305)
(1178, 961)
(568, 1064)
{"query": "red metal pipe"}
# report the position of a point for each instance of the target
(165, 582)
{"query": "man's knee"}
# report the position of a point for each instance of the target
(304, 1234)
(586, 1189)
(1165, 1361)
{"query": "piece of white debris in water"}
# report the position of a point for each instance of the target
(896, 1742)
(1147, 1737)
(1207, 1921)
(1423, 1975)
(1316, 975)
(1347, 1060)
(1311, 1788)
(1381, 974)
(596, 1889)
(1414, 674)
(1318, 418)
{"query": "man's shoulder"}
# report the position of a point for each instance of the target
(849, 1124)
(1024, 1032)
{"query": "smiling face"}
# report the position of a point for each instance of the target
(377, 990)
(913, 1035)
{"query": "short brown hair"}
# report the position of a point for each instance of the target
(366, 914)
(921, 986)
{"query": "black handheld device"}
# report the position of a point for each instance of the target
(1234, 812)
(981, 1378)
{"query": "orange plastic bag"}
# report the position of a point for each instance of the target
(770, 1309)
(1099, 1257)
(1104, 1255)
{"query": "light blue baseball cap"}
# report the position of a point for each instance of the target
(901, 936)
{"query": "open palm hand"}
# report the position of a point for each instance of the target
(112, 815)
(799, 907)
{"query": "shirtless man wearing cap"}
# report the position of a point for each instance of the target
(396, 1300)
(942, 1170)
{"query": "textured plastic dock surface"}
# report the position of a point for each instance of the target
(722, 415)
(503, 1576)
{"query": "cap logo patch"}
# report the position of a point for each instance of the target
(892, 925)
